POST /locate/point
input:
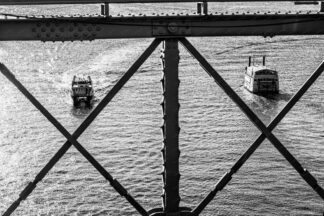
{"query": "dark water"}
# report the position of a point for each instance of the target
(126, 137)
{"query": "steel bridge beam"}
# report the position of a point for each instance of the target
(171, 152)
(91, 28)
(39, 2)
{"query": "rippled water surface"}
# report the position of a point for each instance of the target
(126, 137)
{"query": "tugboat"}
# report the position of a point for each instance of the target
(82, 91)
(260, 79)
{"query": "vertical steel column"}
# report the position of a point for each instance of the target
(170, 151)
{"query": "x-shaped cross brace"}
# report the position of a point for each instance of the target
(72, 139)
(266, 131)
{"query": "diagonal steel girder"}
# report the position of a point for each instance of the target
(266, 131)
(227, 177)
(72, 139)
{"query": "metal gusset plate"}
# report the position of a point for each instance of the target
(266, 131)
(72, 139)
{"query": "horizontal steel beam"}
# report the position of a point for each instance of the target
(39, 2)
(90, 28)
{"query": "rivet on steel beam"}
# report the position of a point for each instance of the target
(162, 127)
(162, 172)
(172, 27)
(178, 175)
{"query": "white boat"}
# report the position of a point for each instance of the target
(261, 79)
(82, 90)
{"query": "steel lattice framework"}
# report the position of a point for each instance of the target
(171, 30)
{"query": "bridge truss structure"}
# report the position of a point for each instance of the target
(171, 30)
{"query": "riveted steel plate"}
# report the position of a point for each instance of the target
(171, 28)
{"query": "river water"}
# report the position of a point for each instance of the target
(126, 137)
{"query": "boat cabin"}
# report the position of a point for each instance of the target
(261, 79)
(82, 90)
